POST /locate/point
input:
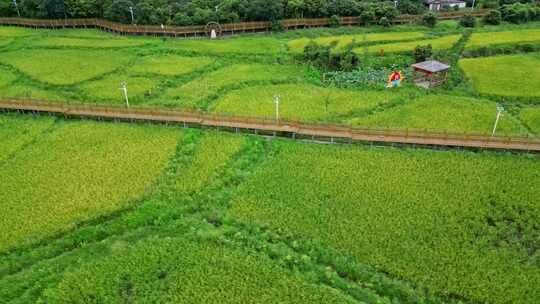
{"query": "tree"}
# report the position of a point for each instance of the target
(316, 8)
(494, 17)
(295, 8)
(423, 52)
(54, 9)
(84, 8)
(467, 21)
(429, 19)
(518, 12)
(343, 8)
(7, 8)
(119, 11)
(410, 8)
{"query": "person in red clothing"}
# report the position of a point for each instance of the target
(394, 80)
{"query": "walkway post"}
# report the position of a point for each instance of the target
(132, 15)
(124, 90)
(17, 8)
(276, 101)
(500, 109)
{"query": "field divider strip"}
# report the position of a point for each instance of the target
(282, 128)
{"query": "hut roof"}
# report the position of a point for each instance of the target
(432, 66)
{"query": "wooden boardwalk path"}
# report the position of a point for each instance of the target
(297, 130)
(203, 31)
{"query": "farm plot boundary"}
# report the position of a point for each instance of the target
(283, 128)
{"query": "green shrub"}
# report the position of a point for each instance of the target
(494, 17)
(467, 21)
(335, 21)
(277, 26)
(423, 52)
(429, 19)
(385, 22)
(323, 56)
(519, 12)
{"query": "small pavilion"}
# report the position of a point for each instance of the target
(430, 73)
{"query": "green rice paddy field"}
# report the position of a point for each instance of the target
(104, 212)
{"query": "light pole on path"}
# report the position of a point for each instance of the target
(17, 7)
(132, 15)
(123, 88)
(500, 110)
(276, 101)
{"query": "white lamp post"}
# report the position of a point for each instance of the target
(500, 110)
(123, 88)
(276, 101)
(132, 15)
(17, 7)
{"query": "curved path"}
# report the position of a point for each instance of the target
(292, 129)
(198, 31)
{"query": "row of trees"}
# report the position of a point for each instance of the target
(190, 12)
(196, 12)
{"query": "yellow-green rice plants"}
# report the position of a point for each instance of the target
(515, 75)
(79, 171)
(299, 101)
(446, 220)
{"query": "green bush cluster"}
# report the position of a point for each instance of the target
(520, 12)
(199, 12)
(324, 56)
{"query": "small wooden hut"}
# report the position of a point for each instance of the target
(430, 73)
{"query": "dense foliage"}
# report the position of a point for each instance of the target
(189, 12)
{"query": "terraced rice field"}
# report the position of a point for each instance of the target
(105, 212)
(444, 112)
(514, 75)
(43, 196)
(193, 93)
(65, 67)
(441, 43)
(298, 45)
(443, 225)
(485, 39)
(531, 116)
(299, 102)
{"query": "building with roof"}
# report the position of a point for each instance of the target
(437, 5)
(429, 73)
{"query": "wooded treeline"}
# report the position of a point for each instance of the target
(197, 12)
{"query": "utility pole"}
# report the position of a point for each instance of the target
(17, 8)
(276, 101)
(132, 15)
(500, 110)
(123, 88)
